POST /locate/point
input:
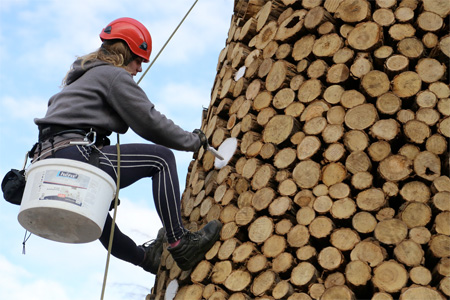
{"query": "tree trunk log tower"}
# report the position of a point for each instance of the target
(340, 187)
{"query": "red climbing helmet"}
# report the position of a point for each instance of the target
(133, 33)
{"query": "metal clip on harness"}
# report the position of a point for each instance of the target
(86, 142)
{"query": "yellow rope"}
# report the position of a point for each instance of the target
(116, 200)
(111, 235)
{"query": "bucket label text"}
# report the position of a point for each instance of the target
(67, 175)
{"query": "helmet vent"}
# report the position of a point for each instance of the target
(143, 46)
(107, 30)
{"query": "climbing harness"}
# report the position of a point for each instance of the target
(118, 157)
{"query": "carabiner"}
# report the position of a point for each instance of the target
(86, 142)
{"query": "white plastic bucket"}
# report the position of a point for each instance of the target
(66, 200)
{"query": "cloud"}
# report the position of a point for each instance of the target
(61, 264)
(179, 96)
(23, 108)
(18, 112)
(197, 34)
(17, 283)
(7, 4)
(181, 101)
(137, 217)
(7, 267)
(39, 289)
(38, 42)
(73, 27)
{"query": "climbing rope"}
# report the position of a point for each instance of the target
(111, 235)
(116, 200)
(168, 40)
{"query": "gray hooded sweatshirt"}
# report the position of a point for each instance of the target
(106, 98)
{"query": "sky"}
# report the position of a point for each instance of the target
(39, 40)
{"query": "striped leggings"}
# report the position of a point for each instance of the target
(138, 161)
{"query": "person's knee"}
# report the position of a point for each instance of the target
(167, 154)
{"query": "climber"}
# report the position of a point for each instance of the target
(98, 97)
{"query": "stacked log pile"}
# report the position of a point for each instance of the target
(340, 187)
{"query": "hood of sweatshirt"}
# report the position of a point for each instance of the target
(78, 70)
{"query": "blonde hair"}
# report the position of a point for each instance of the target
(115, 52)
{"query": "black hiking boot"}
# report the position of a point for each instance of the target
(194, 245)
(153, 251)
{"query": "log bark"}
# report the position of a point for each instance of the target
(306, 174)
(391, 231)
(365, 37)
(358, 273)
(327, 45)
(298, 236)
(375, 83)
(353, 11)
(410, 217)
(404, 14)
(243, 252)
(388, 103)
(330, 258)
(266, 35)
(257, 263)
(354, 119)
(339, 186)
(369, 251)
(417, 292)
(427, 165)
(420, 235)
(430, 70)
(303, 47)
(334, 279)
(279, 75)
(307, 253)
(283, 290)
(409, 253)
(238, 280)
(390, 276)
(303, 274)
(343, 209)
(395, 167)
(411, 47)
(355, 140)
(420, 275)
(334, 152)
(371, 199)
(384, 17)
(201, 271)
(291, 26)
(340, 291)
(430, 40)
(261, 229)
(264, 282)
(269, 12)
(283, 98)
(321, 227)
(429, 21)
(415, 191)
(333, 173)
(305, 215)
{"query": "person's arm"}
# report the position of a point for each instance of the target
(134, 107)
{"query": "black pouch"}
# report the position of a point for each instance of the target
(13, 185)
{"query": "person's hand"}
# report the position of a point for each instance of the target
(203, 139)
